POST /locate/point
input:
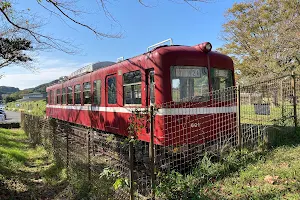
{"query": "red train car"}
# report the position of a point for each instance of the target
(180, 80)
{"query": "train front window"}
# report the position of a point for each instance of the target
(189, 83)
(222, 82)
(221, 78)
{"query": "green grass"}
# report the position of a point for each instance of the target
(278, 115)
(276, 176)
(26, 172)
(262, 174)
(32, 107)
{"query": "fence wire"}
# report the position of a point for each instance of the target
(212, 124)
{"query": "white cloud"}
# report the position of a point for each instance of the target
(49, 70)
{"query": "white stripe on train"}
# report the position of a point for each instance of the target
(161, 111)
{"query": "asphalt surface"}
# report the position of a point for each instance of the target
(12, 116)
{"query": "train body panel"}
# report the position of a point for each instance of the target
(104, 99)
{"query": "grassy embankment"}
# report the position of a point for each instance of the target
(27, 172)
(262, 174)
(32, 107)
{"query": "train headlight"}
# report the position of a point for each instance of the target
(208, 47)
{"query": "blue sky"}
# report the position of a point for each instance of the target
(140, 27)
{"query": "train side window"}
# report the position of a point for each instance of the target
(58, 96)
(64, 99)
(132, 87)
(152, 87)
(97, 92)
(112, 90)
(50, 97)
(77, 91)
(87, 93)
(70, 95)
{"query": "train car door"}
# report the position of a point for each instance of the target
(150, 96)
(150, 85)
(111, 114)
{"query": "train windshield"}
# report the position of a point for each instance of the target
(189, 83)
(221, 78)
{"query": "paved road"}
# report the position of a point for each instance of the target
(12, 116)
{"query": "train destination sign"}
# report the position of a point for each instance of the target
(188, 72)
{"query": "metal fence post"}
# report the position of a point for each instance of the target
(131, 168)
(88, 157)
(151, 152)
(67, 130)
(294, 100)
(238, 117)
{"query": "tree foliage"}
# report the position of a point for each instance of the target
(11, 51)
(263, 36)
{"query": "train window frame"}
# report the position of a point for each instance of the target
(70, 93)
(84, 90)
(96, 93)
(77, 94)
(64, 96)
(58, 96)
(114, 77)
(180, 74)
(134, 86)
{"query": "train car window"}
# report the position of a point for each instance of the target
(97, 92)
(64, 99)
(57, 96)
(77, 91)
(189, 83)
(87, 93)
(152, 87)
(112, 90)
(70, 95)
(132, 87)
(51, 97)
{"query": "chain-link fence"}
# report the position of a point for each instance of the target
(181, 133)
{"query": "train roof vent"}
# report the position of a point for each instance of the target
(120, 59)
(160, 44)
(90, 68)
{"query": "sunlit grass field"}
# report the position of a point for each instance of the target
(26, 171)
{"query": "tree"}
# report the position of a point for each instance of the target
(11, 51)
(263, 37)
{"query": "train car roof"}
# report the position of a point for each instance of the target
(161, 50)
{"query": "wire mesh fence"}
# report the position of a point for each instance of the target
(182, 132)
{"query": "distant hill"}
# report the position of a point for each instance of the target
(8, 90)
(42, 88)
(18, 94)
